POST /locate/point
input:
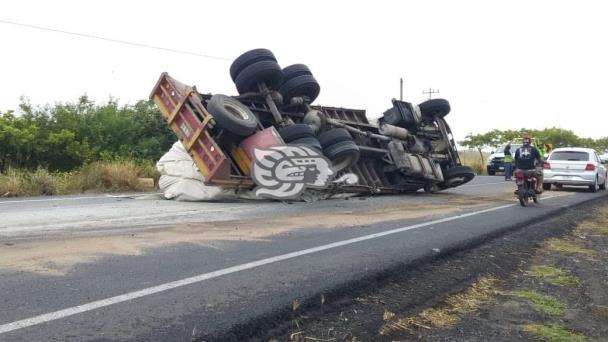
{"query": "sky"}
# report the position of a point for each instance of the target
(502, 65)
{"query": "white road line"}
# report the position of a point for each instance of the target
(59, 199)
(52, 316)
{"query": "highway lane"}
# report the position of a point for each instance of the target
(66, 269)
(24, 217)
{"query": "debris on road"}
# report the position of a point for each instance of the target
(181, 180)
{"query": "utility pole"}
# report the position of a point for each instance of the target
(401, 89)
(431, 92)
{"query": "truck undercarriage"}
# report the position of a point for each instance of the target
(410, 148)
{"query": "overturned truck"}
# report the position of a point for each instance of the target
(409, 148)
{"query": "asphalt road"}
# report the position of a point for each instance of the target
(106, 268)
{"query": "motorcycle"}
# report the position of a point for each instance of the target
(526, 186)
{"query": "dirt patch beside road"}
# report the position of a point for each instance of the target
(547, 282)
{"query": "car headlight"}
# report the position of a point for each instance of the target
(490, 161)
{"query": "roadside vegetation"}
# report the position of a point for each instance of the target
(552, 289)
(80, 147)
(474, 160)
(76, 146)
(100, 176)
(557, 137)
(543, 303)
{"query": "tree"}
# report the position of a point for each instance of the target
(68, 135)
(479, 141)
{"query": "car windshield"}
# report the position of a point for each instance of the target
(570, 156)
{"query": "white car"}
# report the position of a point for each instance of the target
(574, 166)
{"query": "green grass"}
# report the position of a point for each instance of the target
(553, 275)
(108, 176)
(560, 245)
(540, 302)
(553, 333)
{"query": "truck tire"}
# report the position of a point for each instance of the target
(434, 107)
(232, 115)
(334, 136)
(295, 132)
(295, 70)
(343, 154)
(304, 85)
(268, 72)
(248, 58)
(456, 176)
(308, 141)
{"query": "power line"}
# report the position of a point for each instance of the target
(90, 36)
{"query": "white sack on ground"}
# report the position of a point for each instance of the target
(181, 180)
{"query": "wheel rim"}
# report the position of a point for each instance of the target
(341, 162)
(236, 111)
(456, 181)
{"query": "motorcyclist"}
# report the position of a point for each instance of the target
(528, 158)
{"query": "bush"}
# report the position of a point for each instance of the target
(11, 183)
(40, 182)
(472, 159)
(107, 176)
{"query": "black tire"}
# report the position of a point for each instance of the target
(435, 107)
(522, 196)
(456, 176)
(304, 85)
(268, 72)
(248, 58)
(491, 173)
(594, 187)
(232, 115)
(334, 136)
(343, 155)
(603, 186)
(546, 186)
(308, 141)
(295, 70)
(430, 188)
(295, 132)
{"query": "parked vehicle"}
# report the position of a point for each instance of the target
(496, 160)
(526, 181)
(575, 166)
(410, 148)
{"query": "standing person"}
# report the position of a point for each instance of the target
(508, 162)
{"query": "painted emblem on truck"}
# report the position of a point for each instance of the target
(284, 172)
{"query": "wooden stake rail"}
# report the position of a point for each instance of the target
(183, 109)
